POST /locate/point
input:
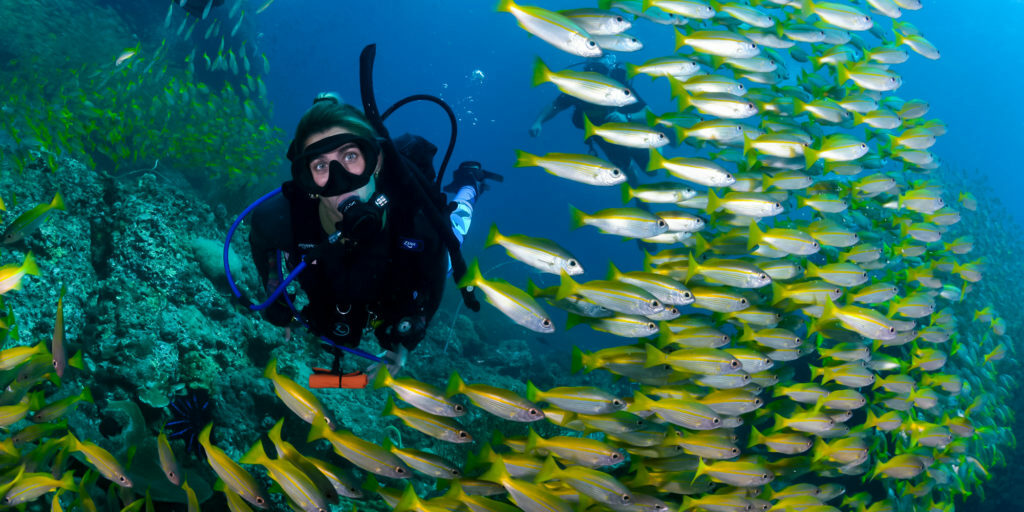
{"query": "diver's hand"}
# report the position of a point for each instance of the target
(394, 361)
(535, 130)
(616, 117)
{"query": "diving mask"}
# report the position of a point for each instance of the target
(340, 180)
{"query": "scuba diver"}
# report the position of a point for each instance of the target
(375, 263)
(620, 156)
(365, 229)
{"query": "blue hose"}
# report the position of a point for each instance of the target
(284, 281)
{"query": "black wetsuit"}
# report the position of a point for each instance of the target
(397, 276)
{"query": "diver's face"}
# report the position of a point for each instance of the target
(348, 155)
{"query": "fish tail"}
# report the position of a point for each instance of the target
(714, 203)
(567, 287)
(531, 391)
(656, 161)
(58, 202)
(256, 454)
(270, 371)
(383, 378)
(473, 275)
(654, 356)
(576, 217)
(76, 361)
(756, 437)
(627, 192)
(524, 159)
(680, 40)
(806, 8)
(493, 236)
(29, 265)
(541, 73)
(754, 236)
(631, 70)
(204, 435)
(692, 268)
(389, 407)
(532, 440)
(275, 432)
(505, 6)
(548, 470)
(319, 429)
(614, 274)
(588, 128)
(811, 156)
(455, 385)
(572, 321)
(778, 293)
(576, 363)
(702, 469)
(86, 395)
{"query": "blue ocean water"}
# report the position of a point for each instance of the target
(480, 62)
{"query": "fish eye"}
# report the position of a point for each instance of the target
(892, 329)
(533, 412)
(615, 172)
(616, 402)
(763, 276)
(260, 500)
(455, 472)
(745, 378)
(616, 456)
(764, 476)
(546, 323)
(626, 92)
(122, 479)
(655, 304)
(572, 263)
(463, 434)
(734, 450)
(618, 19)
(650, 325)
(716, 421)
(626, 498)
(661, 223)
(778, 205)
(170, 474)
(661, 135)
(743, 301)
(591, 44)
(734, 364)
(400, 470)
(459, 408)
(687, 295)
(632, 40)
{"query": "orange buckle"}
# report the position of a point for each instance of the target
(324, 379)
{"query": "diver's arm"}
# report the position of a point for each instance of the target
(270, 224)
(559, 104)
